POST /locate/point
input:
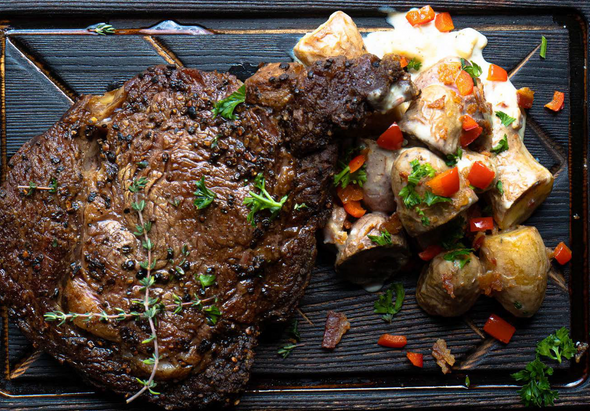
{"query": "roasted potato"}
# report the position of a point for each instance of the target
(436, 117)
(364, 262)
(437, 214)
(525, 183)
(377, 189)
(446, 289)
(338, 36)
(515, 265)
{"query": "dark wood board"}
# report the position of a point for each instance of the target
(42, 72)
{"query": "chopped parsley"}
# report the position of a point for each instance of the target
(384, 239)
(53, 186)
(501, 146)
(212, 313)
(414, 64)
(500, 187)
(411, 198)
(225, 108)
(536, 389)
(453, 159)
(384, 304)
(543, 51)
(345, 177)
(300, 206)
(467, 381)
(557, 345)
(460, 255)
(472, 68)
(505, 119)
(207, 280)
(204, 196)
(262, 201)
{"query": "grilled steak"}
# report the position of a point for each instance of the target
(69, 245)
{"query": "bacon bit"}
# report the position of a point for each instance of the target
(478, 240)
(439, 103)
(443, 355)
(490, 282)
(393, 224)
(525, 97)
(352, 192)
(557, 103)
(447, 73)
(582, 347)
(447, 283)
(336, 326)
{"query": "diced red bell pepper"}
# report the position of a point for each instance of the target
(497, 73)
(464, 83)
(499, 329)
(430, 252)
(481, 224)
(525, 97)
(403, 62)
(392, 138)
(392, 341)
(480, 175)
(471, 131)
(444, 22)
(416, 359)
(557, 103)
(355, 209)
(562, 253)
(421, 16)
(356, 163)
(446, 183)
(352, 192)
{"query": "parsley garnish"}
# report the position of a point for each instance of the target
(414, 64)
(204, 196)
(53, 186)
(536, 390)
(502, 146)
(207, 280)
(543, 51)
(300, 206)
(212, 313)
(467, 381)
(262, 201)
(384, 239)
(384, 304)
(472, 69)
(419, 171)
(431, 199)
(505, 119)
(344, 177)
(294, 338)
(453, 159)
(500, 187)
(557, 345)
(225, 108)
(460, 255)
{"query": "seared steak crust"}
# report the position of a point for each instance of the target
(74, 250)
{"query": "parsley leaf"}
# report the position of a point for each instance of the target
(536, 390)
(502, 146)
(414, 64)
(557, 345)
(460, 255)
(543, 51)
(384, 304)
(472, 69)
(505, 119)
(410, 197)
(419, 171)
(298, 206)
(500, 187)
(383, 240)
(212, 313)
(431, 199)
(225, 108)
(262, 201)
(345, 177)
(204, 196)
(453, 159)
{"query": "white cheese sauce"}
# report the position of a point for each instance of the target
(428, 45)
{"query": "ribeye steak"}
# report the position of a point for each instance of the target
(69, 245)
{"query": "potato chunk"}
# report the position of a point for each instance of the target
(338, 36)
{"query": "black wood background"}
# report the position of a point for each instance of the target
(48, 59)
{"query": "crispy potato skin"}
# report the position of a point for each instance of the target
(438, 214)
(447, 290)
(525, 182)
(515, 266)
(338, 36)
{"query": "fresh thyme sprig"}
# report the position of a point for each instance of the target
(103, 29)
(32, 187)
(262, 201)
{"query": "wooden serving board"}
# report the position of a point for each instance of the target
(46, 61)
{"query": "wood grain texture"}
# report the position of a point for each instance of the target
(358, 373)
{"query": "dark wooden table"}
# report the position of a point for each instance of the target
(48, 59)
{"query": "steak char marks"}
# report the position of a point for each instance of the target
(75, 251)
